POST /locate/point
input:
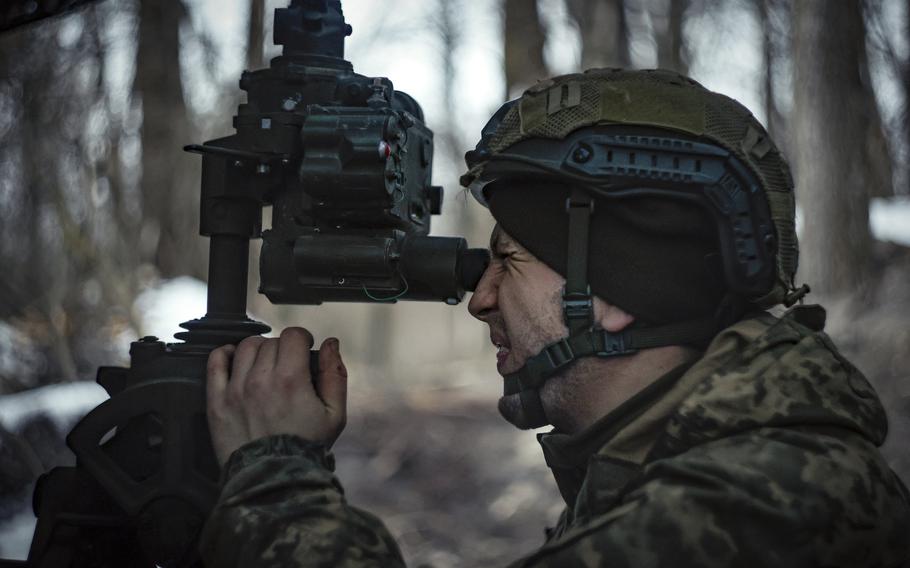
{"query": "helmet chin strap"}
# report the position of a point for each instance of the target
(583, 339)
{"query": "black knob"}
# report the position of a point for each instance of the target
(315, 27)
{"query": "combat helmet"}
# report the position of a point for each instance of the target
(610, 135)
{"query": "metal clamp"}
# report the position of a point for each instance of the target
(578, 306)
(580, 204)
(611, 344)
(560, 353)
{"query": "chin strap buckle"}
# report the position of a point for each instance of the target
(607, 344)
(559, 354)
(578, 309)
(552, 359)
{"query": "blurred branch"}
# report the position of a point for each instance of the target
(773, 47)
(604, 32)
(886, 140)
(877, 37)
(169, 210)
(672, 51)
(524, 42)
(447, 28)
(905, 115)
(15, 13)
(207, 46)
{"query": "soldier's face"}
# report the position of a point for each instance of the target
(519, 297)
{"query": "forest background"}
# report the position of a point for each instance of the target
(99, 205)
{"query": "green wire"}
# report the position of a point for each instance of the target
(391, 298)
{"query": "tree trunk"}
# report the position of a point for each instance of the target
(906, 113)
(672, 52)
(775, 43)
(604, 32)
(169, 192)
(524, 41)
(831, 116)
(255, 45)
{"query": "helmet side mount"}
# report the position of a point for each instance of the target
(622, 166)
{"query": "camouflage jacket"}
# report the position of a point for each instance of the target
(761, 453)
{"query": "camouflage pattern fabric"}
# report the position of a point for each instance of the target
(761, 453)
(281, 506)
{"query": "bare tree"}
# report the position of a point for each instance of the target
(255, 54)
(524, 41)
(894, 136)
(604, 32)
(774, 44)
(672, 51)
(169, 176)
(834, 108)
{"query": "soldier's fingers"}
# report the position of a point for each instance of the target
(332, 381)
(260, 379)
(224, 426)
(293, 360)
(244, 358)
(217, 373)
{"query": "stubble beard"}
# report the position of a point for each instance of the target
(559, 397)
(510, 409)
(509, 406)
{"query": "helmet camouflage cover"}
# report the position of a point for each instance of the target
(555, 108)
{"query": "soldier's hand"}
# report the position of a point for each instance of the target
(263, 387)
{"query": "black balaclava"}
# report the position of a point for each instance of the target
(655, 258)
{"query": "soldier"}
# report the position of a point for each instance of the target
(645, 225)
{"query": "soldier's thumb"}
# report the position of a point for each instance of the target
(332, 380)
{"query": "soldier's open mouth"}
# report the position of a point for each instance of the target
(503, 348)
(501, 355)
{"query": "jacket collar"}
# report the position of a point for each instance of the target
(760, 372)
(620, 440)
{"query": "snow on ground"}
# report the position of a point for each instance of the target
(63, 403)
(163, 308)
(890, 220)
(16, 535)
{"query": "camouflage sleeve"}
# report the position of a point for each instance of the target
(282, 506)
(745, 501)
